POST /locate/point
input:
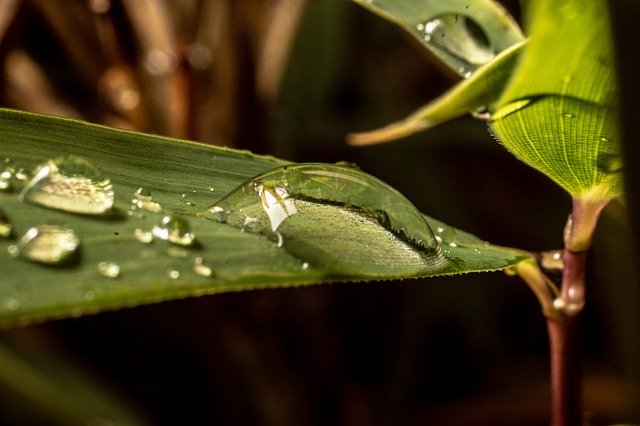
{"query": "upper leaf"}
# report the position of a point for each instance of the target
(463, 34)
(323, 223)
(557, 113)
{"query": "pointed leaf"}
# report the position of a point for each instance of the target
(463, 34)
(348, 225)
(473, 95)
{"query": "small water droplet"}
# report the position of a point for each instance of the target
(477, 251)
(12, 304)
(174, 229)
(459, 39)
(483, 113)
(5, 180)
(568, 115)
(143, 236)
(6, 228)
(200, 268)
(48, 244)
(109, 269)
(70, 184)
(305, 266)
(173, 274)
(569, 309)
(211, 189)
(143, 200)
(452, 244)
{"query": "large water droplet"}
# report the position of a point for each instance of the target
(174, 229)
(49, 244)
(71, 184)
(6, 228)
(321, 212)
(459, 39)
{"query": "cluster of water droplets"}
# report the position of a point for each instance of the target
(75, 185)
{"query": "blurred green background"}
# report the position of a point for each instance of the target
(291, 78)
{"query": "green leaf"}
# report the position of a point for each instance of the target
(557, 113)
(463, 34)
(476, 94)
(362, 237)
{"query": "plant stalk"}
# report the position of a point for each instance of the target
(565, 344)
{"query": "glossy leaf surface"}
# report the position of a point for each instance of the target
(124, 259)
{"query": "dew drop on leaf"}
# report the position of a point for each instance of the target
(6, 227)
(201, 268)
(48, 244)
(458, 38)
(109, 269)
(332, 217)
(174, 229)
(70, 184)
(143, 236)
(142, 200)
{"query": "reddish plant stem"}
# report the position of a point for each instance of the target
(565, 344)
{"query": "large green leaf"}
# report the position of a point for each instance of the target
(186, 178)
(557, 113)
(463, 34)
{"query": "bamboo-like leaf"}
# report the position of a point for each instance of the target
(476, 94)
(367, 238)
(557, 113)
(463, 34)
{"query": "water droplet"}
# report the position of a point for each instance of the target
(312, 211)
(6, 228)
(305, 266)
(143, 236)
(609, 163)
(173, 274)
(49, 244)
(174, 229)
(483, 113)
(200, 268)
(452, 244)
(109, 269)
(12, 304)
(477, 251)
(569, 309)
(459, 39)
(568, 115)
(5, 180)
(143, 200)
(70, 184)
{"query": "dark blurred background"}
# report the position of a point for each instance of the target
(291, 78)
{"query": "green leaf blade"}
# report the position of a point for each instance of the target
(186, 179)
(557, 113)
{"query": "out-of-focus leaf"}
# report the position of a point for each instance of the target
(185, 179)
(476, 94)
(463, 34)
